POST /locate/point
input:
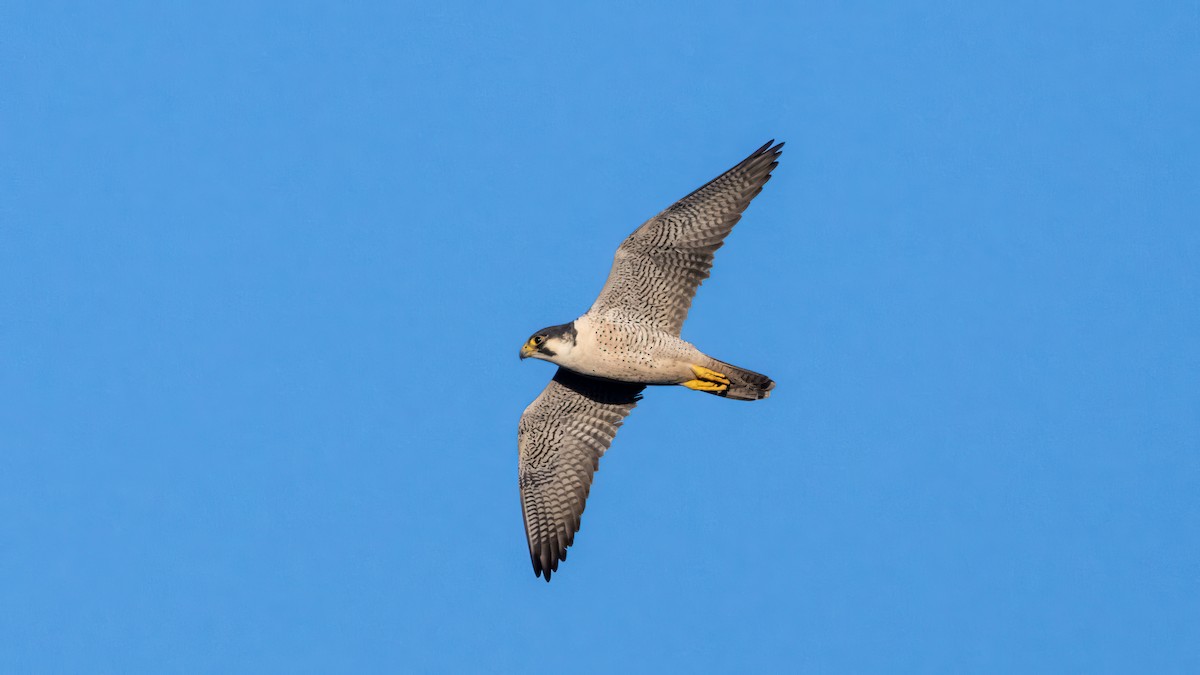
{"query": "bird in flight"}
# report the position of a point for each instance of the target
(629, 339)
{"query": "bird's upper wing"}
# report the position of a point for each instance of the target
(561, 437)
(657, 269)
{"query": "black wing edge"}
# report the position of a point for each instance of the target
(769, 148)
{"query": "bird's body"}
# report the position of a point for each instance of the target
(629, 339)
(614, 346)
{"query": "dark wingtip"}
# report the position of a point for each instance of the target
(770, 150)
(770, 146)
(542, 568)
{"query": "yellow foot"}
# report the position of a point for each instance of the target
(701, 385)
(707, 380)
(703, 373)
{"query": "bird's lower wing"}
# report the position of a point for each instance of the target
(657, 269)
(560, 438)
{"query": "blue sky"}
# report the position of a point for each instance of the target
(264, 270)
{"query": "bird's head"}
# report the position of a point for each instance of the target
(550, 344)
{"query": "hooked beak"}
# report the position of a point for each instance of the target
(527, 351)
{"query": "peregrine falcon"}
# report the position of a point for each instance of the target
(627, 340)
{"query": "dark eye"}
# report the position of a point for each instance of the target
(538, 340)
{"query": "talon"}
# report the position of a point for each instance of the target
(703, 373)
(705, 385)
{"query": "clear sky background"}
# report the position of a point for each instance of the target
(265, 268)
